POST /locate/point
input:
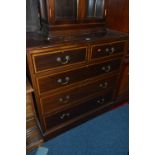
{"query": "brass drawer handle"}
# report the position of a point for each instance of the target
(64, 115)
(64, 81)
(103, 85)
(64, 60)
(101, 101)
(106, 68)
(112, 50)
(99, 50)
(107, 49)
(66, 100)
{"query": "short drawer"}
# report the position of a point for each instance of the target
(51, 82)
(66, 115)
(103, 50)
(49, 60)
(52, 103)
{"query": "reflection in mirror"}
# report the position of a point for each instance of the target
(94, 8)
(99, 8)
(90, 8)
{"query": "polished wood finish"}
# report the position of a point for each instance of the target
(71, 14)
(49, 83)
(81, 119)
(37, 43)
(75, 88)
(33, 135)
(73, 95)
(118, 18)
(124, 87)
(63, 116)
(53, 59)
(65, 10)
(76, 66)
(102, 50)
(118, 15)
(123, 90)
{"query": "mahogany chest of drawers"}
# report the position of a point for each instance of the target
(74, 78)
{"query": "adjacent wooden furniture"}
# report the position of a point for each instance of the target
(33, 135)
(74, 77)
(118, 18)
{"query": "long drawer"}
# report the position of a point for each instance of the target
(52, 103)
(66, 115)
(54, 59)
(103, 50)
(52, 82)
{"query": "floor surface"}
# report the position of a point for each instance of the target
(107, 134)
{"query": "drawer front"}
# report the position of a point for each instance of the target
(52, 60)
(52, 103)
(103, 50)
(52, 82)
(72, 113)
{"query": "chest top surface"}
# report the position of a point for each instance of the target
(37, 41)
